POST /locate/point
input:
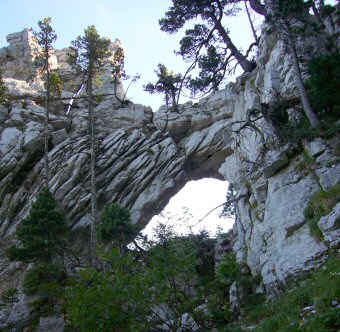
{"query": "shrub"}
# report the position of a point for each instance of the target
(116, 227)
(45, 280)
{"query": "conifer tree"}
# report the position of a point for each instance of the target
(42, 234)
(87, 56)
(168, 83)
(45, 38)
(116, 227)
(208, 45)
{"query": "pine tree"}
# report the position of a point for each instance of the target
(87, 56)
(167, 83)
(116, 227)
(42, 234)
(211, 36)
(45, 38)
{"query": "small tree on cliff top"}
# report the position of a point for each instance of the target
(87, 55)
(119, 74)
(167, 83)
(42, 234)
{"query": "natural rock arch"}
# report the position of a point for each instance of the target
(144, 158)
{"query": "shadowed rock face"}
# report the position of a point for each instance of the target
(144, 158)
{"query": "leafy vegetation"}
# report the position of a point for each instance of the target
(116, 227)
(138, 290)
(323, 90)
(229, 206)
(207, 45)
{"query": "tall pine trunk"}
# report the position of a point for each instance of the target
(288, 39)
(245, 64)
(94, 210)
(46, 122)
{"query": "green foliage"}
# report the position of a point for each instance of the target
(45, 280)
(116, 299)
(228, 270)
(320, 205)
(8, 296)
(207, 45)
(45, 38)
(324, 86)
(87, 53)
(56, 84)
(116, 227)
(168, 83)
(3, 92)
(42, 234)
(131, 287)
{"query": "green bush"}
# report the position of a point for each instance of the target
(116, 227)
(45, 280)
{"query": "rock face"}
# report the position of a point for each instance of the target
(144, 158)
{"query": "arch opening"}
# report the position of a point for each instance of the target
(187, 210)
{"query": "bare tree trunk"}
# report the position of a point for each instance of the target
(46, 122)
(94, 210)
(251, 23)
(173, 99)
(284, 31)
(246, 65)
(288, 38)
(317, 15)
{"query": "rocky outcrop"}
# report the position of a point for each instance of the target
(144, 158)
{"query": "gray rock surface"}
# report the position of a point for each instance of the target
(145, 158)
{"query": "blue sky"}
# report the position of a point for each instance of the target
(134, 22)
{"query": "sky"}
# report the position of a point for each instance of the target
(134, 22)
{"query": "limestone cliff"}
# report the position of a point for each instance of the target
(144, 158)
